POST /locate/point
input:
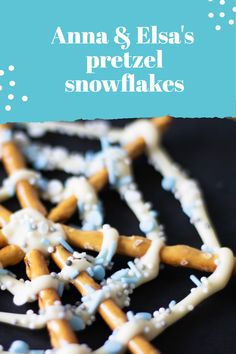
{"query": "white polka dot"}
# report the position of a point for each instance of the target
(12, 83)
(222, 2)
(24, 98)
(210, 0)
(1, 72)
(11, 97)
(231, 22)
(11, 68)
(234, 9)
(210, 15)
(222, 14)
(7, 107)
(217, 27)
(0, 87)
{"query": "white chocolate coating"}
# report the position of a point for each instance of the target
(188, 193)
(141, 128)
(29, 230)
(27, 291)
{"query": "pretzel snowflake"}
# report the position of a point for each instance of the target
(34, 235)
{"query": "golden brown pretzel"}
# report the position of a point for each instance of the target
(59, 330)
(109, 311)
(65, 209)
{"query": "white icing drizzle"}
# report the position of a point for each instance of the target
(29, 230)
(90, 130)
(122, 283)
(165, 318)
(88, 203)
(69, 272)
(9, 184)
(57, 311)
(26, 291)
(89, 207)
(141, 128)
(187, 192)
(109, 245)
(73, 349)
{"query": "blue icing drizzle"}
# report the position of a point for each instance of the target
(129, 280)
(134, 269)
(111, 168)
(130, 315)
(89, 155)
(95, 217)
(81, 206)
(6, 272)
(147, 225)
(105, 255)
(99, 272)
(168, 183)
(111, 346)
(41, 162)
(60, 289)
(104, 143)
(66, 245)
(42, 183)
(119, 274)
(125, 180)
(87, 226)
(45, 242)
(74, 273)
(19, 346)
(188, 210)
(143, 316)
(90, 271)
(93, 301)
(77, 323)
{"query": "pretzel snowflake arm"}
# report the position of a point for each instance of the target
(13, 160)
(64, 210)
(59, 330)
(11, 255)
(137, 246)
(109, 311)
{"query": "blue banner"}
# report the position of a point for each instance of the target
(67, 60)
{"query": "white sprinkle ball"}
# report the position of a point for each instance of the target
(12, 83)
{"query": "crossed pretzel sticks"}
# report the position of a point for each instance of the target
(60, 330)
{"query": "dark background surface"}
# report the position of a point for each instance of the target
(206, 148)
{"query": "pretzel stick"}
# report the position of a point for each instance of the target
(60, 330)
(11, 255)
(137, 246)
(13, 160)
(132, 246)
(109, 311)
(4, 216)
(66, 208)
